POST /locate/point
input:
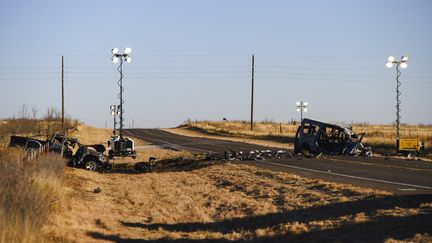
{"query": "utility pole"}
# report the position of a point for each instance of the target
(252, 92)
(62, 80)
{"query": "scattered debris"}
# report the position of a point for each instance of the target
(251, 155)
(144, 166)
(173, 164)
(315, 137)
(207, 159)
(99, 223)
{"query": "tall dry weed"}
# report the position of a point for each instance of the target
(28, 193)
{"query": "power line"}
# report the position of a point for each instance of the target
(245, 68)
(297, 56)
(343, 81)
(29, 73)
(69, 78)
(291, 75)
(29, 67)
(169, 72)
(338, 75)
(330, 68)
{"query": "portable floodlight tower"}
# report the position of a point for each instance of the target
(402, 63)
(301, 107)
(119, 145)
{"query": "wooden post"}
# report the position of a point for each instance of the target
(252, 92)
(62, 81)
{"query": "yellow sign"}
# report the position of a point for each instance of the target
(409, 144)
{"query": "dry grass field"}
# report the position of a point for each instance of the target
(380, 137)
(228, 202)
(220, 202)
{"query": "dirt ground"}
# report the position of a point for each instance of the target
(225, 202)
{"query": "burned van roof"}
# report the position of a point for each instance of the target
(338, 125)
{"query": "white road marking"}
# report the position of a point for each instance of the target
(406, 189)
(349, 176)
(372, 164)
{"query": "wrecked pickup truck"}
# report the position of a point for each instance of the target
(53, 144)
(90, 157)
(315, 137)
(27, 143)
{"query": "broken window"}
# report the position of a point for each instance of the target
(306, 127)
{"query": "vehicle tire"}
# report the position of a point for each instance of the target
(296, 149)
(306, 153)
(91, 165)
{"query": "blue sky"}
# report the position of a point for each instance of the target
(191, 59)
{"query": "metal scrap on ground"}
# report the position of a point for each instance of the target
(208, 159)
(251, 155)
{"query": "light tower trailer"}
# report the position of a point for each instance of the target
(410, 147)
(121, 147)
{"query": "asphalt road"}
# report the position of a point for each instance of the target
(398, 176)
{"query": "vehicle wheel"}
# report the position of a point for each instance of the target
(306, 153)
(296, 150)
(91, 165)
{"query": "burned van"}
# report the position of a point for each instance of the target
(315, 137)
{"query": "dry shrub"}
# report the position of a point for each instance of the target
(38, 128)
(242, 128)
(29, 191)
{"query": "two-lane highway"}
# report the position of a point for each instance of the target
(395, 175)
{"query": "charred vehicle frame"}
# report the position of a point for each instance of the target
(90, 157)
(315, 137)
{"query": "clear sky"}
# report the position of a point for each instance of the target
(192, 59)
